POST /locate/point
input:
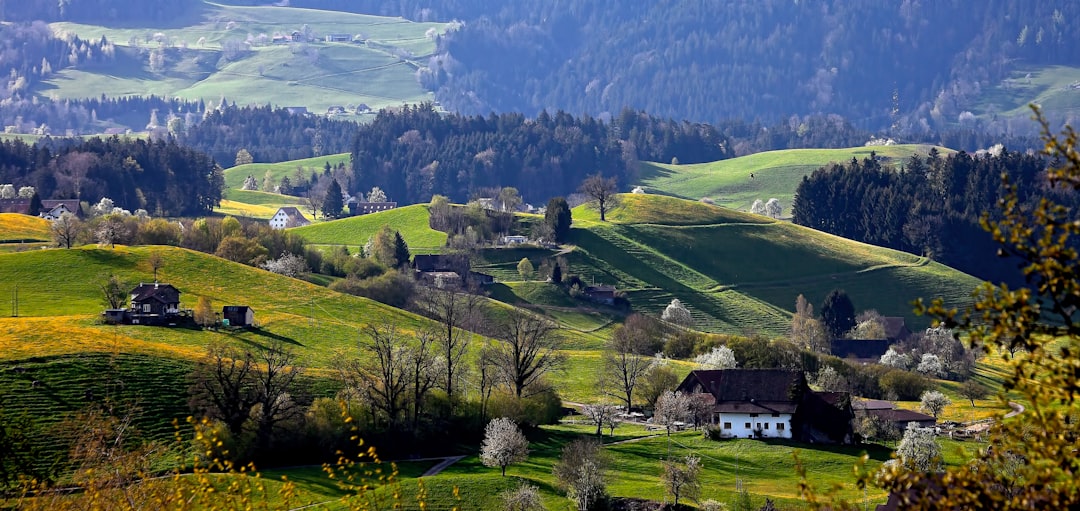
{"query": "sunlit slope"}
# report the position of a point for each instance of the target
(208, 56)
(775, 173)
(739, 276)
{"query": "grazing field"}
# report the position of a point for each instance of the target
(743, 276)
(206, 58)
(15, 227)
(775, 173)
(235, 176)
(353, 232)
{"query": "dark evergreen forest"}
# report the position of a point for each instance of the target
(115, 12)
(416, 152)
(163, 177)
(931, 206)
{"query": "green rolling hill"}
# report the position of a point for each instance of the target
(411, 221)
(207, 56)
(776, 173)
(742, 273)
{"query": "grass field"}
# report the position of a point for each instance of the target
(15, 227)
(741, 273)
(776, 174)
(378, 71)
(411, 221)
(234, 176)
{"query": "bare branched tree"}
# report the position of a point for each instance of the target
(599, 414)
(222, 385)
(66, 230)
(625, 362)
(602, 192)
(527, 348)
(381, 372)
(275, 382)
(457, 312)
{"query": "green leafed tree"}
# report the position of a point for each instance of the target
(333, 202)
(558, 217)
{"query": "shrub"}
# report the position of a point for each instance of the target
(902, 385)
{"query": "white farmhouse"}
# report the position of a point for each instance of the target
(771, 403)
(286, 217)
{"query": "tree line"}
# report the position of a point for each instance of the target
(415, 152)
(97, 11)
(930, 206)
(162, 177)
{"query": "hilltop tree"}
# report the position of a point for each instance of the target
(558, 217)
(602, 192)
(838, 313)
(243, 157)
(66, 230)
(503, 444)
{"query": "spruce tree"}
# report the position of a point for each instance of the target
(333, 203)
(401, 250)
(557, 216)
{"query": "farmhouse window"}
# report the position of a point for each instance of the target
(766, 425)
(146, 307)
(747, 425)
(727, 425)
(779, 426)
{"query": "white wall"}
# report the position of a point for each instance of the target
(738, 423)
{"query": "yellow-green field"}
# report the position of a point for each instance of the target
(775, 173)
(17, 227)
(411, 221)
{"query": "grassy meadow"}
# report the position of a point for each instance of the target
(775, 173)
(378, 69)
(235, 176)
(15, 227)
(741, 273)
(411, 221)
(1054, 88)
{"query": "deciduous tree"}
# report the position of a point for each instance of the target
(503, 444)
(625, 363)
(66, 230)
(671, 407)
(580, 473)
(677, 313)
(682, 478)
(602, 192)
(934, 402)
(526, 350)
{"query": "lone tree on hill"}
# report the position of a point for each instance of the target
(66, 230)
(838, 313)
(603, 192)
(558, 217)
(503, 444)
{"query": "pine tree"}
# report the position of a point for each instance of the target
(333, 203)
(401, 250)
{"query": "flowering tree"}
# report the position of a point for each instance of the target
(503, 444)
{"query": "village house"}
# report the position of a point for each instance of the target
(20, 206)
(287, 217)
(52, 209)
(337, 38)
(514, 240)
(601, 294)
(771, 403)
(150, 304)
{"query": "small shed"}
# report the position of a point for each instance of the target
(238, 315)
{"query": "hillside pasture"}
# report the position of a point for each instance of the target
(411, 221)
(1055, 88)
(15, 227)
(775, 173)
(235, 176)
(378, 69)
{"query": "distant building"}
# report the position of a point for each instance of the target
(335, 110)
(287, 217)
(337, 38)
(238, 316)
(888, 412)
(867, 350)
(896, 329)
(514, 240)
(296, 36)
(601, 294)
(20, 206)
(357, 208)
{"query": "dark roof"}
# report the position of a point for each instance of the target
(236, 308)
(436, 262)
(901, 415)
(749, 390)
(860, 348)
(71, 204)
(872, 404)
(15, 206)
(164, 293)
(895, 328)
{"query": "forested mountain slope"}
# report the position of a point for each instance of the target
(905, 63)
